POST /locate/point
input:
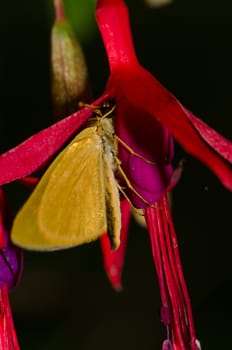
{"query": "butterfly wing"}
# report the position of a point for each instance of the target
(113, 214)
(67, 208)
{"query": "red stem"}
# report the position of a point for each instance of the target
(59, 10)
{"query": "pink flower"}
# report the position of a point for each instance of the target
(147, 116)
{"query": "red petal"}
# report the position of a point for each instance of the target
(210, 136)
(29, 182)
(136, 85)
(113, 22)
(114, 259)
(2, 212)
(142, 90)
(5, 219)
(31, 154)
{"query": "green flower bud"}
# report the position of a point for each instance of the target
(69, 75)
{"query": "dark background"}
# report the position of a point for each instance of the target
(64, 298)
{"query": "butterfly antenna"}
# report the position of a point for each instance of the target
(98, 109)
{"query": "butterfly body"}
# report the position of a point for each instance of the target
(77, 199)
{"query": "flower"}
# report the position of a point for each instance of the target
(11, 263)
(147, 117)
(141, 100)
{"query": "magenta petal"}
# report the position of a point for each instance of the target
(31, 154)
(150, 181)
(11, 257)
(11, 265)
(151, 141)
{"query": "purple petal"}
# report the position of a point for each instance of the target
(150, 140)
(11, 257)
(11, 266)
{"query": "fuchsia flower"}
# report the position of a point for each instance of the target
(147, 116)
(11, 264)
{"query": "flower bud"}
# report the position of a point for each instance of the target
(158, 3)
(69, 76)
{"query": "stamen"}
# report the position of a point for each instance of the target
(176, 308)
(125, 195)
(133, 152)
(167, 345)
(170, 279)
(180, 271)
(165, 315)
(198, 345)
(156, 252)
(8, 338)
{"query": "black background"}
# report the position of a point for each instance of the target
(64, 297)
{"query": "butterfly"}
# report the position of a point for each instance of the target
(77, 199)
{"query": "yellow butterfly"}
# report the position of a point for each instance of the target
(77, 199)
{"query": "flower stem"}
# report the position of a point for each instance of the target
(59, 10)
